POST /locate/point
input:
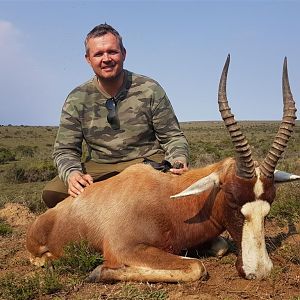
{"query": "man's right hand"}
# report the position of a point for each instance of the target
(77, 181)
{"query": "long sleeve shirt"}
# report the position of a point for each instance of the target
(148, 125)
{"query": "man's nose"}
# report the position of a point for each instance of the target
(106, 56)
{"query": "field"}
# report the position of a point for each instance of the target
(26, 165)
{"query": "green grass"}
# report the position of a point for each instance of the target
(78, 259)
(28, 194)
(6, 155)
(5, 228)
(129, 291)
(286, 207)
(30, 172)
(291, 252)
(15, 288)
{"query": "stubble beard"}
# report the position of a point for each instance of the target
(112, 78)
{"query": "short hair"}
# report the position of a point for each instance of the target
(101, 30)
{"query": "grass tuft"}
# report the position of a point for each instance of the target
(130, 291)
(5, 228)
(13, 287)
(51, 283)
(78, 259)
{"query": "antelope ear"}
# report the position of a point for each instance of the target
(200, 186)
(281, 176)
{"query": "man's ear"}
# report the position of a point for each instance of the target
(124, 53)
(87, 58)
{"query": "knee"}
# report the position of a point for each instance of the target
(51, 198)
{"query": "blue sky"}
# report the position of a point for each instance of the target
(181, 44)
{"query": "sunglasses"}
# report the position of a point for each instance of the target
(112, 117)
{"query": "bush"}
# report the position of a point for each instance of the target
(25, 151)
(6, 155)
(43, 171)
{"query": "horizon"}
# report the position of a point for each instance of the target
(181, 123)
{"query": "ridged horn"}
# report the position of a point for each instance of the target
(245, 163)
(285, 129)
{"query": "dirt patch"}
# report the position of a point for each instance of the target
(16, 214)
(222, 283)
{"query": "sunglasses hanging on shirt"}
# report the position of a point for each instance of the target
(111, 105)
(112, 117)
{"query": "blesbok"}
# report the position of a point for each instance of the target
(140, 230)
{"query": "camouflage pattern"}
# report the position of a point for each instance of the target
(148, 125)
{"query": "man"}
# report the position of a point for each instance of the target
(122, 117)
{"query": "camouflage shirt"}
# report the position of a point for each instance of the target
(148, 125)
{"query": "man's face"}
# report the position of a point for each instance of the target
(105, 56)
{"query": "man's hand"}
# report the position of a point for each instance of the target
(77, 181)
(179, 167)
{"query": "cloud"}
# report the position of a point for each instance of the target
(6, 28)
(9, 36)
(11, 46)
(12, 51)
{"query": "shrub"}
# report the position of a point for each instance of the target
(41, 171)
(6, 155)
(15, 174)
(25, 151)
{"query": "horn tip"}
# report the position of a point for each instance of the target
(228, 58)
(285, 62)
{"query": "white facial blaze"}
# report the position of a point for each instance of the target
(258, 187)
(256, 261)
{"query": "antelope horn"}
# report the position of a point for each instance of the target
(245, 163)
(285, 129)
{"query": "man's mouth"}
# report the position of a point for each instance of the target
(108, 68)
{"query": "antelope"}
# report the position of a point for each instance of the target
(140, 229)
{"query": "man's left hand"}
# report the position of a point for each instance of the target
(179, 167)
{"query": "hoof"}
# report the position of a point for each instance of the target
(219, 247)
(95, 275)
